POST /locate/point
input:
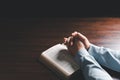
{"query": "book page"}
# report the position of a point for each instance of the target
(59, 56)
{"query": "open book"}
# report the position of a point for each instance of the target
(58, 59)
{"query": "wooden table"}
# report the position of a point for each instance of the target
(23, 40)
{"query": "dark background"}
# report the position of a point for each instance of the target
(38, 9)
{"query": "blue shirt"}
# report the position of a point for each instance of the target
(90, 61)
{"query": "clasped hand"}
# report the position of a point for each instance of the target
(75, 42)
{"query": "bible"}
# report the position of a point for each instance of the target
(58, 60)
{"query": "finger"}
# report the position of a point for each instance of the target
(65, 40)
(70, 41)
(79, 36)
(74, 33)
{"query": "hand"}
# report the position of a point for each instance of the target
(82, 38)
(73, 44)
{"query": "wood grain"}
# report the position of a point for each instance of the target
(22, 41)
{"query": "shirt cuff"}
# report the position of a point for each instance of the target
(93, 50)
(81, 53)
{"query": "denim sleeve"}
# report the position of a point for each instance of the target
(106, 57)
(91, 69)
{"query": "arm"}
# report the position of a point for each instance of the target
(91, 69)
(106, 57)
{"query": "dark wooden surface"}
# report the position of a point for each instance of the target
(22, 41)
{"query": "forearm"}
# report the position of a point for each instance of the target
(91, 69)
(106, 57)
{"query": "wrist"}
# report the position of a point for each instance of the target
(82, 52)
(88, 46)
